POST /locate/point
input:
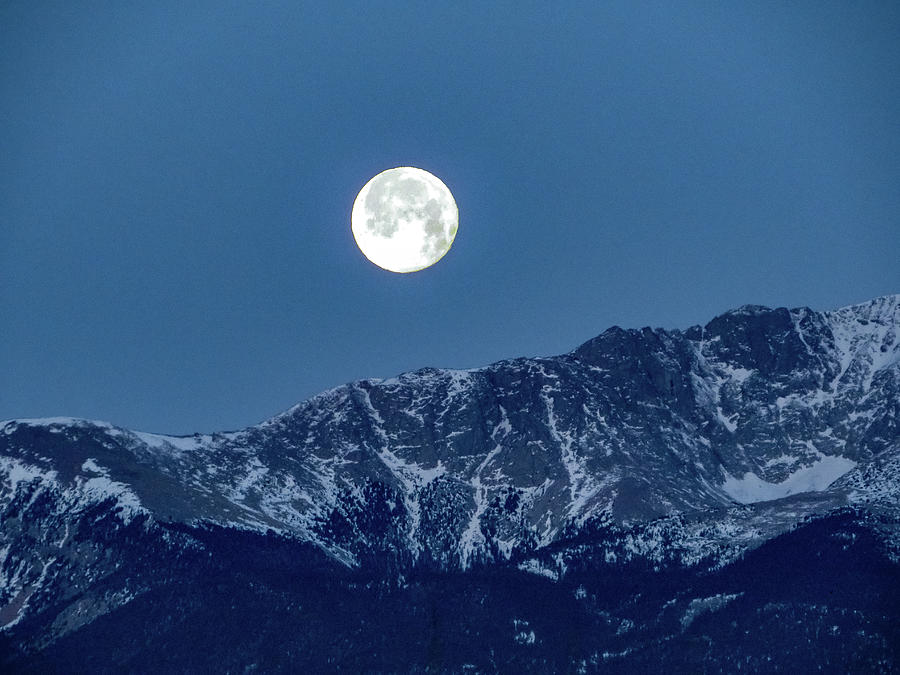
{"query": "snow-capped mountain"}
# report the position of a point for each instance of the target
(682, 450)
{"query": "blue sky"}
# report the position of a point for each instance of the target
(176, 181)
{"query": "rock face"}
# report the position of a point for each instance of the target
(641, 452)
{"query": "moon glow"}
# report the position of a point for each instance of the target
(404, 219)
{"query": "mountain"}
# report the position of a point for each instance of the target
(652, 497)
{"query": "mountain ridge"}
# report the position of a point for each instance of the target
(675, 372)
(682, 451)
(886, 305)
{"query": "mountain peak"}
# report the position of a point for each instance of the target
(643, 449)
(748, 310)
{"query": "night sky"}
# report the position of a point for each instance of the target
(176, 180)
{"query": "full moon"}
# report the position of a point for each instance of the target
(404, 219)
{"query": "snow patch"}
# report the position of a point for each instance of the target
(91, 465)
(54, 424)
(256, 471)
(19, 472)
(103, 487)
(727, 422)
(751, 488)
(533, 566)
(734, 373)
(700, 606)
(182, 443)
(460, 381)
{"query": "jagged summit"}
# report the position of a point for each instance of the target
(748, 310)
(885, 307)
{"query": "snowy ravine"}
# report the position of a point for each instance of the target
(689, 448)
